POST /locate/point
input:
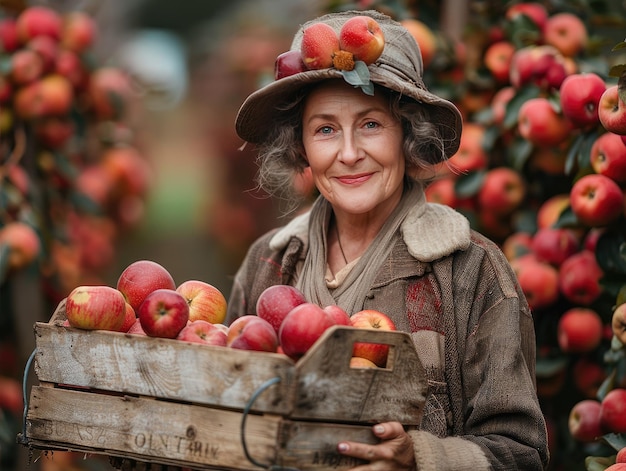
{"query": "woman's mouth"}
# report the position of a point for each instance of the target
(354, 179)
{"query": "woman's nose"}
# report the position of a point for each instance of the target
(349, 152)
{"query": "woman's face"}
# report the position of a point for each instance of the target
(353, 145)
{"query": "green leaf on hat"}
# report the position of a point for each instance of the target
(359, 77)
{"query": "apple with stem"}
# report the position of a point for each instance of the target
(376, 320)
(612, 111)
(580, 98)
(362, 36)
(163, 313)
(584, 421)
(608, 157)
(203, 332)
(566, 32)
(541, 124)
(206, 302)
(596, 200)
(579, 278)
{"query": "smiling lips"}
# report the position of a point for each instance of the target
(354, 179)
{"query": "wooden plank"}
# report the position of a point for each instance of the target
(163, 368)
(329, 390)
(144, 428)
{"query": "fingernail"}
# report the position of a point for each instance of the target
(342, 447)
(379, 429)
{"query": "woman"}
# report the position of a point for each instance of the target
(371, 241)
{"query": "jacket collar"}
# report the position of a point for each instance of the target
(430, 231)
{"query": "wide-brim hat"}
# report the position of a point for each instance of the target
(399, 68)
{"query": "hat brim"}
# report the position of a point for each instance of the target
(261, 110)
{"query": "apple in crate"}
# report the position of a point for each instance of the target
(204, 332)
(276, 301)
(372, 319)
(95, 307)
(339, 315)
(142, 277)
(301, 328)
(251, 332)
(205, 301)
(164, 313)
(129, 319)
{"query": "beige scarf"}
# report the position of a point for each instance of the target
(350, 295)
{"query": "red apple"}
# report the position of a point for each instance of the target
(543, 66)
(38, 21)
(26, 66)
(535, 11)
(362, 36)
(517, 244)
(11, 397)
(48, 50)
(136, 328)
(203, 332)
(441, 191)
(566, 32)
(550, 210)
(69, 65)
(372, 319)
(596, 200)
(588, 376)
(617, 467)
(579, 278)
(251, 332)
(9, 41)
(618, 323)
(541, 124)
(424, 36)
(110, 93)
(340, 317)
(129, 319)
(612, 111)
(538, 280)
(608, 156)
(499, 103)
(497, 59)
(584, 421)
(54, 132)
(95, 307)
(276, 301)
(142, 277)
(553, 245)
(580, 98)
(613, 411)
(79, 31)
(621, 456)
(301, 328)
(319, 45)
(502, 191)
(579, 330)
(23, 243)
(206, 302)
(288, 63)
(163, 313)
(471, 154)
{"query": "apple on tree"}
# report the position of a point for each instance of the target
(163, 313)
(596, 200)
(612, 111)
(579, 278)
(95, 307)
(372, 319)
(580, 98)
(584, 421)
(613, 411)
(579, 330)
(618, 323)
(608, 157)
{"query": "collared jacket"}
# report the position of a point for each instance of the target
(455, 292)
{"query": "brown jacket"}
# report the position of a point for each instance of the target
(472, 328)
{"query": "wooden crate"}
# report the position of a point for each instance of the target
(203, 407)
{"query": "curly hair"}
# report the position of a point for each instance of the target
(281, 155)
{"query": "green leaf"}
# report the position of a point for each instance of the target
(616, 440)
(611, 252)
(572, 154)
(620, 45)
(567, 218)
(598, 463)
(468, 185)
(548, 367)
(359, 77)
(617, 70)
(519, 153)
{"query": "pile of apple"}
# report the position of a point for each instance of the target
(71, 174)
(147, 301)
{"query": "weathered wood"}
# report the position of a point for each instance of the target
(164, 368)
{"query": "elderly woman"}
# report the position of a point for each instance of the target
(371, 241)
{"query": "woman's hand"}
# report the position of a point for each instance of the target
(394, 452)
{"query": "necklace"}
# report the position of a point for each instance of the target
(340, 246)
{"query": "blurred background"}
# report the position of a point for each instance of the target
(144, 162)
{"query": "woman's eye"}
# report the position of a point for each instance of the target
(371, 124)
(325, 130)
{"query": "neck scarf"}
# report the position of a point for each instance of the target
(351, 294)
